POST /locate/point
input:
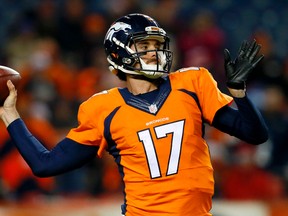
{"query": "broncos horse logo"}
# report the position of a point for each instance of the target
(118, 26)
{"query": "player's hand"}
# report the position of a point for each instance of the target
(8, 111)
(237, 71)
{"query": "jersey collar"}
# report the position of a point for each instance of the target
(150, 102)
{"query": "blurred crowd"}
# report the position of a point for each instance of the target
(57, 46)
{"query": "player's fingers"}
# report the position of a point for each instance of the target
(227, 56)
(12, 89)
(257, 60)
(250, 48)
(254, 52)
(242, 48)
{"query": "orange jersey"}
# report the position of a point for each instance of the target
(160, 150)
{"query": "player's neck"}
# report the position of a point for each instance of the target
(140, 86)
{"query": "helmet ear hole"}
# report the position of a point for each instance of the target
(127, 61)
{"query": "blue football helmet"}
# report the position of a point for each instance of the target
(124, 33)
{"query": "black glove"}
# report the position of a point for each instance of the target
(238, 70)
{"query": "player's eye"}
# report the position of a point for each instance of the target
(157, 45)
(144, 47)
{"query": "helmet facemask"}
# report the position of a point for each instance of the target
(163, 57)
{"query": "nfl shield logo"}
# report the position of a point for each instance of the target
(153, 108)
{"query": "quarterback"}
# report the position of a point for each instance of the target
(154, 127)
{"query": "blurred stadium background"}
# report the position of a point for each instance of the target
(56, 45)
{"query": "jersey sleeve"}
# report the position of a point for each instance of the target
(89, 128)
(210, 97)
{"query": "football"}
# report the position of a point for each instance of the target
(6, 74)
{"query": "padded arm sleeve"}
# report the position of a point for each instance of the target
(65, 156)
(245, 123)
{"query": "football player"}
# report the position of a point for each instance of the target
(154, 128)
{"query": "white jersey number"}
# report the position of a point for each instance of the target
(174, 128)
